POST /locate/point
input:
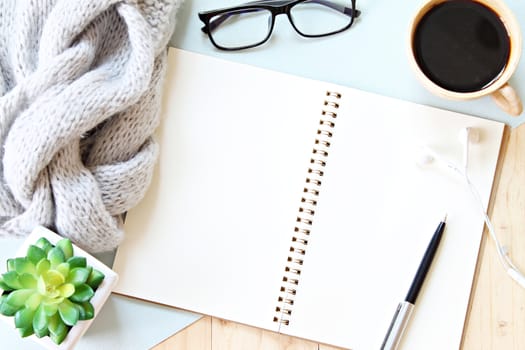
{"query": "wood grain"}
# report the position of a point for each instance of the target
(225, 335)
(496, 317)
(197, 336)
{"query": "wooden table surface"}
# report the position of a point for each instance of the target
(496, 316)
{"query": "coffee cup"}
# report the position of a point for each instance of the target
(466, 49)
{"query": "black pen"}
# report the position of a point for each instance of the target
(404, 309)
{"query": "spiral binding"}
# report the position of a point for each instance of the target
(306, 212)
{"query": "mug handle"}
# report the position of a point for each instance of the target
(508, 100)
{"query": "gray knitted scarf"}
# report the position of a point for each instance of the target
(80, 86)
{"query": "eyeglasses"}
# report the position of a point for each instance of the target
(251, 24)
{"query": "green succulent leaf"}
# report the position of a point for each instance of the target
(53, 278)
(35, 254)
(42, 266)
(66, 246)
(4, 285)
(57, 329)
(24, 265)
(41, 285)
(86, 310)
(66, 290)
(56, 256)
(40, 322)
(18, 298)
(51, 308)
(63, 269)
(95, 279)
(5, 308)
(44, 244)
(77, 261)
(10, 264)
(58, 338)
(68, 313)
(33, 301)
(82, 293)
(90, 310)
(81, 311)
(11, 280)
(54, 296)
(28, 281)
(26, 332)
(78, 275)
(53, 300)
(24, 318)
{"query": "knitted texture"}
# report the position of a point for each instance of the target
(80, 87)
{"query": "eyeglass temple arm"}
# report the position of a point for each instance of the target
(341, 8)
(220, 19)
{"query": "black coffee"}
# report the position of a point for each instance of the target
(461, 45)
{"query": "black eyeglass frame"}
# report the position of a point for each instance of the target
(275, 7)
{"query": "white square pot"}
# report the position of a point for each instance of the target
(99, 298)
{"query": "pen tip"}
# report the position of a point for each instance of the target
(444, 218)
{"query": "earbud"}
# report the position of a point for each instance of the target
(424, 157)
(427, 156)
(469, 135)
(466, 136)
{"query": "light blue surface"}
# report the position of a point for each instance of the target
(123, 323)
(372, 55)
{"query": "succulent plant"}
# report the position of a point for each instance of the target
(49, 290)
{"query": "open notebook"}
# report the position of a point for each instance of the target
(297, 206)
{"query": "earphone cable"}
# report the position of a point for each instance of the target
(502, 252)
(503, 255)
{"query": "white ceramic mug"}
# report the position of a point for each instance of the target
(503, 94)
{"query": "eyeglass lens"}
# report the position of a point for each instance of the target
(241, 27)
(321, 17)
(249, 27)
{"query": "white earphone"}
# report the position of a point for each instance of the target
(468, 136)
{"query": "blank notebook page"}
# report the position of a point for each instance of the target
(377, 212)
(216, 230)
(213, 231)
